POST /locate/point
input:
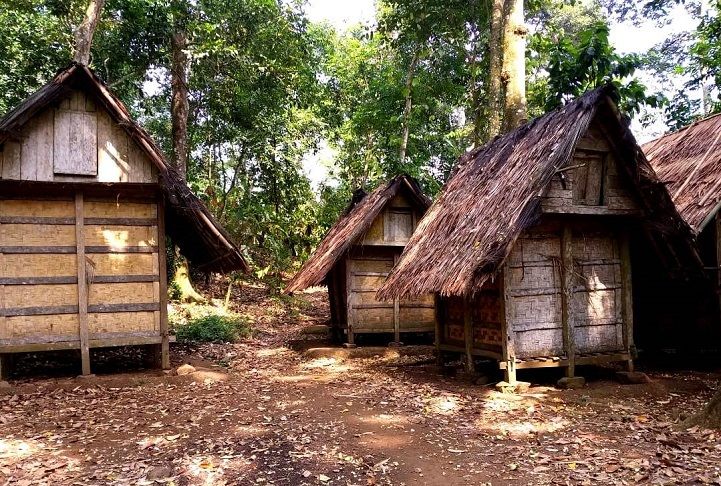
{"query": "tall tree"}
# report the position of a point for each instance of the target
(179, 86)
(86, 30)
(514, 65)
(495, 70)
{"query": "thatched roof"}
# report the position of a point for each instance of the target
(189, 223)
(350, 228)
(689, 163)
(495, 195)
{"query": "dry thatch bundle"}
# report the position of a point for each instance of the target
(350, 228)
(189, 223)
(689, 163)
(495, 195)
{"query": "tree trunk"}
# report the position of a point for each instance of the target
(85, 31)
(179, 104)
(179, 109)
(495, 70)
(514, 65)
(406, 129)
(709, 417)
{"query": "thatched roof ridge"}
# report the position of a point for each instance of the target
(689, 163)
(200, 237)
(495, 195)
(350, 228)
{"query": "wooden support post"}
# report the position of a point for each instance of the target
(439, 330)
(349, 301)
(627, 291)
(468, 332)
(567, 320)
(5, 364)
(718, 260)
(396, 312)
(163, 287)
(508, 348)
(82, 282)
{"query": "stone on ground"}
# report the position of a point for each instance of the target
(517, 387)
(571, 382)
(632, 377)
(5, 384)
(185, 369)
(316, 330)
(159, 472)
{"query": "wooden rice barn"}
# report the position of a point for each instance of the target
(688, 161)
(86, 200)
(528, 246)
(357, 254)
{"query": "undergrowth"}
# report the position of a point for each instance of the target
(212, 328)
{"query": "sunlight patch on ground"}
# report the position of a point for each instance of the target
(385, 419)
(443, 405)
(331, 365)
(18, 449)
(250, 430)
(520, 428)
(271, 352)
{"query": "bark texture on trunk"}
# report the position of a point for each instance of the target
(86, 30)
(406, 130)
(179, 104)
(514, 65)
(495, 71)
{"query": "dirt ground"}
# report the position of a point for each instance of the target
(265, 411)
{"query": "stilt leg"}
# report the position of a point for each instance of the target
(5, 360)
(510, 372)
(85, 360)
(165, 353)
(629, 365)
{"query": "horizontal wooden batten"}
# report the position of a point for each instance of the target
(17, 250)
(112, 308)
(121, 249)
(37, 280)
(73, 309)
(121, 221)
(125, 278)
(39, 311)
(55, 343)
(36, 220)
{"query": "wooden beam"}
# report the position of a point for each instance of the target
(121, 221)
(163, 287)
(349, 300)
(396, 310)
(36, 220)
(31, 250)
(438, 329)
(627, 304)
(112, 308)
(567, 318)
(468, 333)
(39, 311)
(508, 347)
(126, 278)
(82, 282)
(37, 280)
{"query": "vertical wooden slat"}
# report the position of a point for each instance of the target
(437, 318)
(82, 282)
(567, 320)
(396, 311)
(718, 258)
(4, 331)
(468, 333)
(163, 287)
(508, 348)
(349, 300)
(627, 291)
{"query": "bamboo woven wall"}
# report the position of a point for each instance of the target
(39, 301)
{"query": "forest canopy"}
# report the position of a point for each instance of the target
(270, 92)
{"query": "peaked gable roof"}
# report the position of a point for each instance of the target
(495, 194)
(689, 163)
(189, 223)
(351, 226)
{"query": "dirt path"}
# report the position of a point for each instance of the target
(273, 416)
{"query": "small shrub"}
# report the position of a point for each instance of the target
(212, 329)
(174, 291)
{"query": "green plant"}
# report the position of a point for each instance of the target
(213, 329)
(174, 292)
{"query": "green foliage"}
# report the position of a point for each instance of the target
(590, 61)
(175, 293)
(213, 328)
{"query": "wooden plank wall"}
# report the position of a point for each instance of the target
(590, 183)
(75, 141)
(394, 226)
(39, 255)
